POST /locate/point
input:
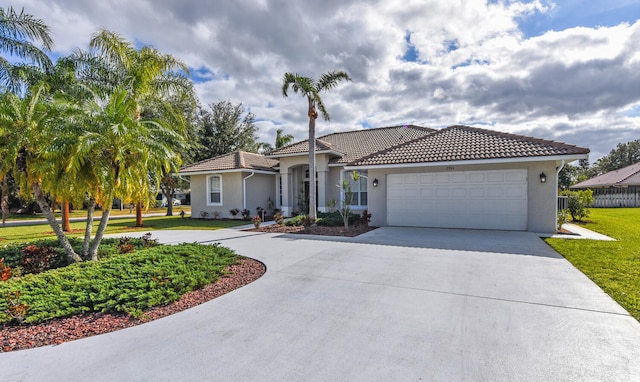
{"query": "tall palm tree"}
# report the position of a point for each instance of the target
(311, 89)
(18, 32)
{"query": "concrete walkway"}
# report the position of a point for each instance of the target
(396, 304)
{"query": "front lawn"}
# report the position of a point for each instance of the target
(22, 234)
(613, 265)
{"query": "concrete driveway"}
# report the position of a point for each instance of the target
(396, 304)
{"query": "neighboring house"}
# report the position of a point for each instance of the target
(456, 177)
(618, 188)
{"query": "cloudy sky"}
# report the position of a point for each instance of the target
(567, 70)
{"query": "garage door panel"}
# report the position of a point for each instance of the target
(495, 199)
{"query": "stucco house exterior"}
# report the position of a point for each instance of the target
(456, 177)
(618, 188)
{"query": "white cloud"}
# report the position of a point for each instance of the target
(474, 64)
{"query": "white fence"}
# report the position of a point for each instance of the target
(616, 197)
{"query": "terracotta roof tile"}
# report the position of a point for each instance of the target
(236, 160)
(626, 176)
(359, 143)
(456, 143)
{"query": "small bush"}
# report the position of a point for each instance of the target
(334, 219)
(36, 259)
(365, 218)
(578, 203)
(15, 310)
(234, 212)
(246, 214)
(278, 218)
(256, 221)
(5, 271)
(300, 220)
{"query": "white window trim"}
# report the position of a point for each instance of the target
(355, 189)
(209, 190)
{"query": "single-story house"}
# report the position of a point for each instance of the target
(618, 188)
(456, 177)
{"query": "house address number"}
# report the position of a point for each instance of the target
(450, 168)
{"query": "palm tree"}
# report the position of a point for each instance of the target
(17, 33)
(124, 154)
(311, 89)
(282, 140)
(25, 126)
(149, 76)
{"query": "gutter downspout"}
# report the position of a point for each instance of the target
(555, 223)
(244, 190)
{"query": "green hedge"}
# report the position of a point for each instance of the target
(128, 283)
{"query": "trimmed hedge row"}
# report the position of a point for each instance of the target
(128, 283)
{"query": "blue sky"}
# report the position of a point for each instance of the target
(561, 70)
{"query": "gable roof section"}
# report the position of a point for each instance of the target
(357, 144)
(237, 160)
(464, 143)
(626, 176)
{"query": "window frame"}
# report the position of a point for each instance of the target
(356, 190)
(209, 190)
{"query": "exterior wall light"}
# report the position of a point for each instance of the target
(543, 177)
(375, 182)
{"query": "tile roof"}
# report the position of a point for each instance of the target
(459, 143)
(359, 143)
(626, 176)
(236, 160)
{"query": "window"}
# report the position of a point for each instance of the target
(358, 189)
(214, 190)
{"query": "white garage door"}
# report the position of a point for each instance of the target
(494, 199)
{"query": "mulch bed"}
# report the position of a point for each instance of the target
(61, 330)
(352, 231)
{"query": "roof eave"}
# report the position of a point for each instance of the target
(209, 172)
(306, 153)
(553, 158)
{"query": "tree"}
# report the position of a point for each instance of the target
(120, 155)
(311, 89)
(625, 154)
(25, 126)
(282, 139)
(150, 77)
(18, 31)
(226, 128)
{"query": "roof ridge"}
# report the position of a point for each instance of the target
(379, 128)
(632, 173)
(207, 159)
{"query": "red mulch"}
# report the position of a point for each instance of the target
(352, 231)
(61, 330)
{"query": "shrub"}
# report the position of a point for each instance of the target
(5, 271)
(300, 220)
(578, 203)
(278, 218)
(15, 310)
(365, 218)
(127, 283)
(245, 214)
(256, 221)
(37, 259)
(234, 212)
(335, 219)
(204, 214)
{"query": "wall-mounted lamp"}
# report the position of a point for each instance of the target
(543, 177)
(375, 182)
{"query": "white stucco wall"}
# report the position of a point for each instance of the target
(260, 187)
(541, 208)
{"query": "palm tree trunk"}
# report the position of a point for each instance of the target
(106, 211)
(72, 256)
(66, 223)
(169, 204)
(139, 215)
(5, 200)
(87, 231)
(313, 214)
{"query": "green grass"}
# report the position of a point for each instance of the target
(613, 265)
(22, 234)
